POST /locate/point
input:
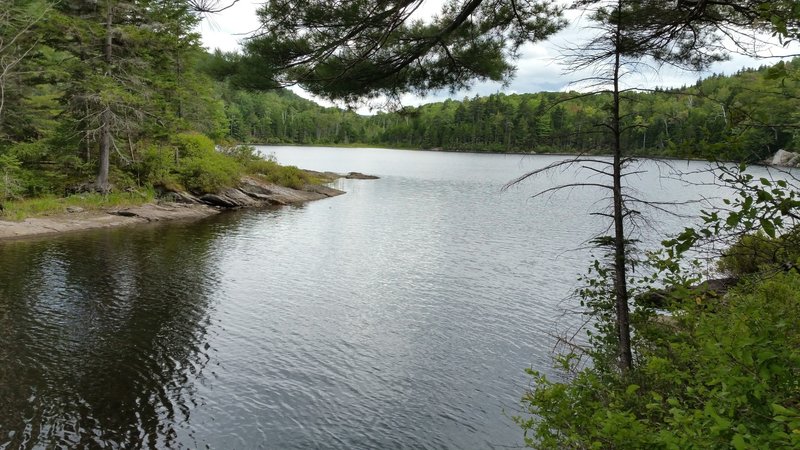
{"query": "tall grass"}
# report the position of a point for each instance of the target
(18, 210)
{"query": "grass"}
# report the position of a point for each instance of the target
(273, 172)
(18, 210)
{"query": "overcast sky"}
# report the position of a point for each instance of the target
(537, 68)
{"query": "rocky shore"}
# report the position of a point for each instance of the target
(251, 192)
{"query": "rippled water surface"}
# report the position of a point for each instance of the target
(399, 315)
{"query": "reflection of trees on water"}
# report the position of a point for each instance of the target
(104, 336)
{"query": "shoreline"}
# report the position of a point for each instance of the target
(518, 153)
(177, 206)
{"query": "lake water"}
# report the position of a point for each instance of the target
(400, 315)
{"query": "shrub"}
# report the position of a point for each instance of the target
(193, 145)
(289, 176)
(209, 173)
(757, 252)
(157, 164)
(725, 377)
(241, 153)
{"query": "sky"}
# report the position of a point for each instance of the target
(538, 68)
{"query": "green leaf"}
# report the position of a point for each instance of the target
(738, 442)
(768, 227)
(732, 220)
(779, 409)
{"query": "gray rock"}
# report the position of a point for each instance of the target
(74, 209)
(360, 176)
(181, 197)
(124, 213)
(785, 158)
(218, 200)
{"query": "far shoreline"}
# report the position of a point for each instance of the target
(443, 150)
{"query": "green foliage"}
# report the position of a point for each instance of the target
(720, 118)
(192, 145)
(717, 378)
(10, 186)
(757, 252)
(267, 168)
(381, 51)
(197, 163)
(157, 163)
(244, 154)
(716, 371)
(271, 171)
(209, 173)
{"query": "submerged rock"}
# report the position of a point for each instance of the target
(360, 176)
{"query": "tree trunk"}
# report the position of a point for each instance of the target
(105, 152)
(106, 116)
(620, 272)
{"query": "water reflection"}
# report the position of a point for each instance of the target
(104, 337)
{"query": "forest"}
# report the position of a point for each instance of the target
(112, 98)
(746, 116)
(743, 117)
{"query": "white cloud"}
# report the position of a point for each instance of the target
(224, 30)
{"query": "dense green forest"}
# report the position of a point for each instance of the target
(743, 117)
(114, 96)
(746, 116)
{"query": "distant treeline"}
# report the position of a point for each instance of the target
(744, 117)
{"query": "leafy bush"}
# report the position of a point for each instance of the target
(725, 377)
(242, 153)
(193, 145)
(209, 173)
(753, 253)
(273, 172)
(157, 164)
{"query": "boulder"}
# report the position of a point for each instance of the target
(229, 198)
(180, 197)
(323, 190)
(785, 158)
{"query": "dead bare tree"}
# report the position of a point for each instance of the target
(627, 36)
